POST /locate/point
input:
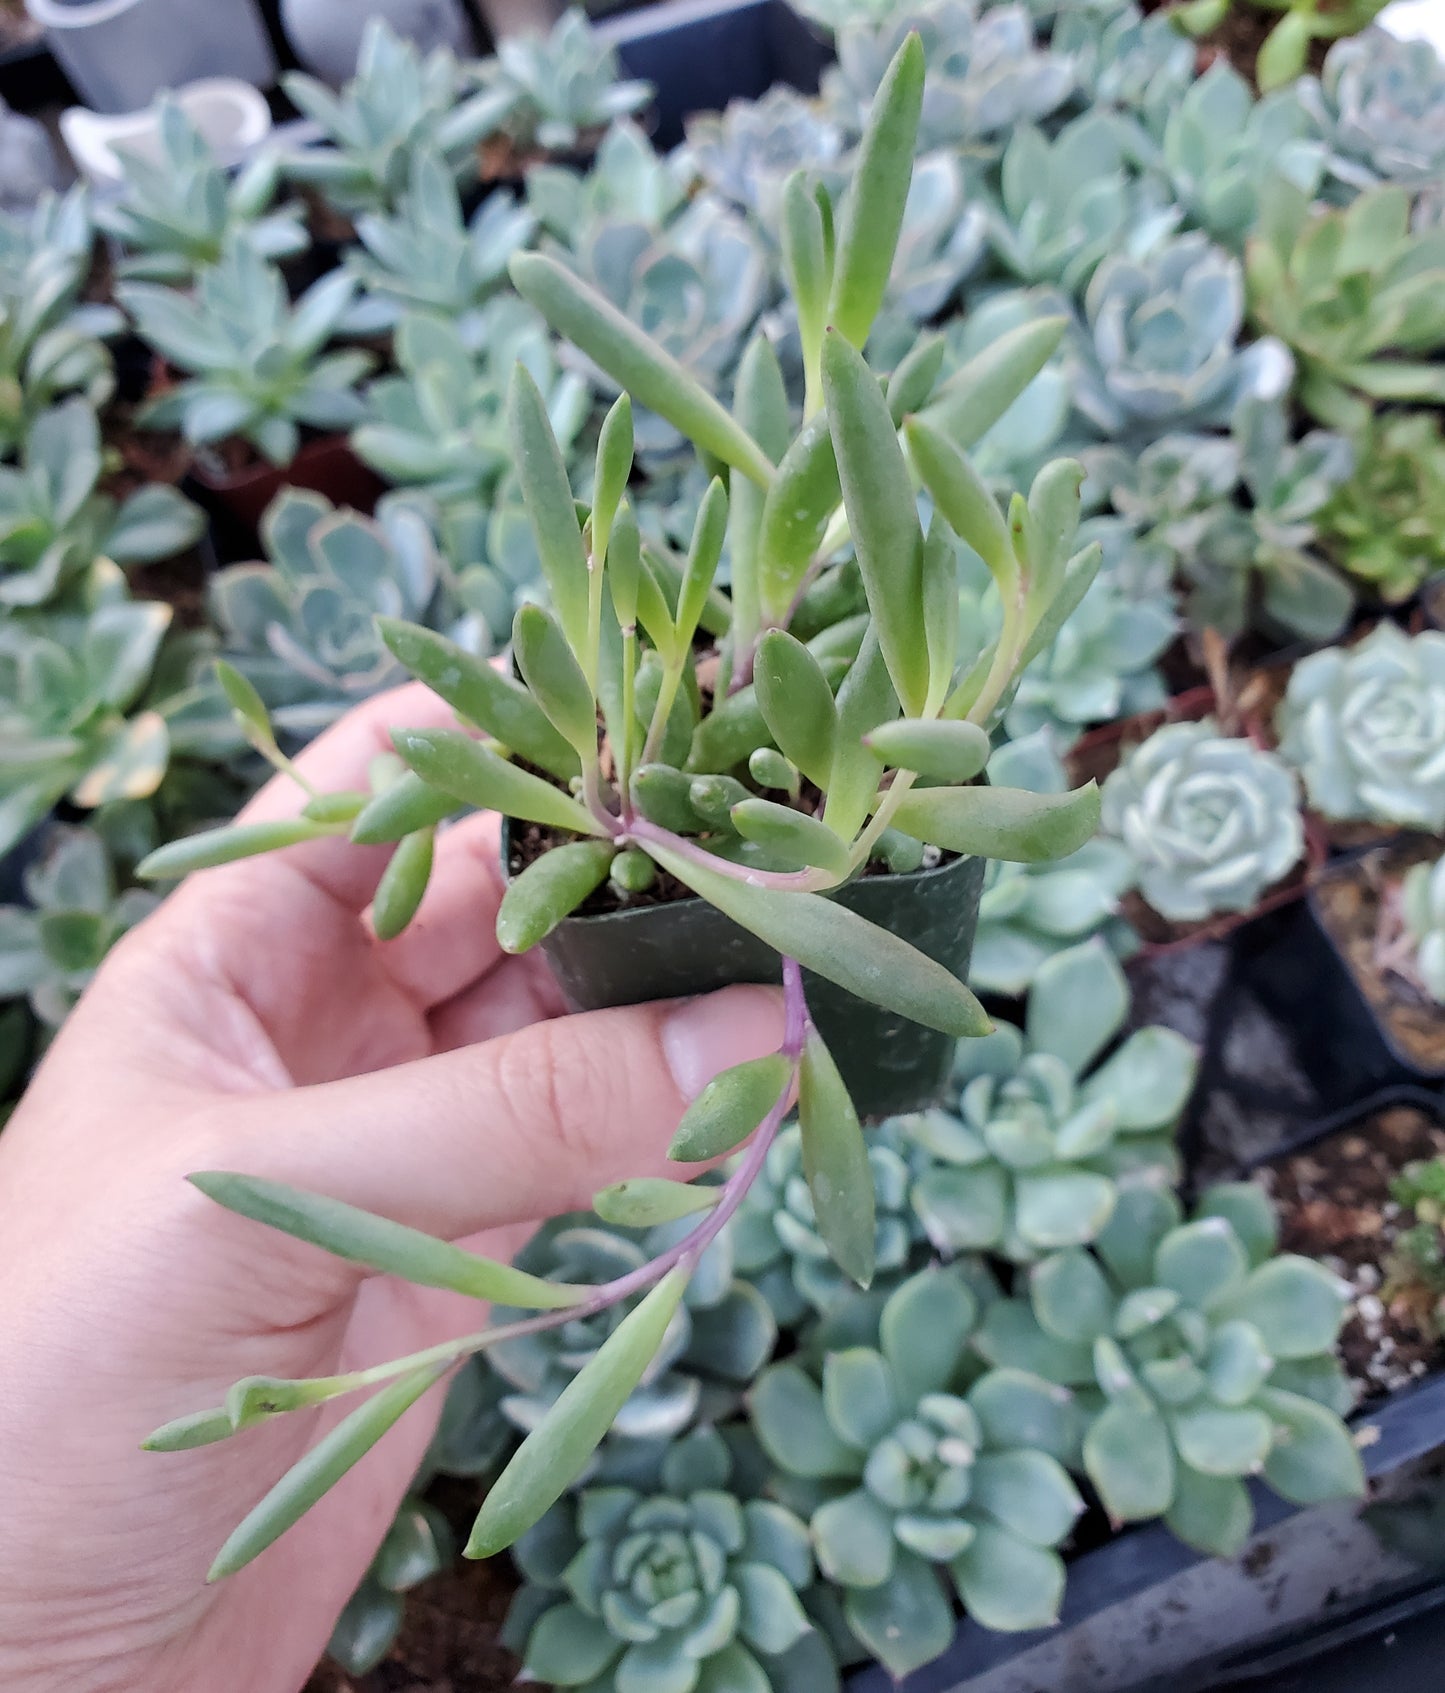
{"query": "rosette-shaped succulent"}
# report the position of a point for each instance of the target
(555, 88)
(627, 180)
(1380, 107)
(985, 73)
(1365, 728)
(747, 152)
(902, 1467)
(1212, 822)
(1030, 912)
(1122, 58)
(302, 627)
(1422, 906)
(1212, 1355)
(1159, 347)
(667, 1580)
(53, 945)
(775, 1238)
(1028, 1157)
(1386, 525)
(721, 1337)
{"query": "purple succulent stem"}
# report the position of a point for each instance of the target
(790, 881)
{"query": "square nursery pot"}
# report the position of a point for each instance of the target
(700, 54)
(237, 500)
(668, 951)
(1144, 1613)
(1296, 967)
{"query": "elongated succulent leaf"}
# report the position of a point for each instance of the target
(467, 770)
(550, 889)
(730, 1107)
(1006, 823)
(835, 1163)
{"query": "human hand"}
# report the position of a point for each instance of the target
(255, 1024)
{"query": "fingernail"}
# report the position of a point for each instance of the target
(707, 1035)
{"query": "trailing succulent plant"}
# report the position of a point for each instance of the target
(1212, 821)
(662, 786)
(71, 722)
(909, 1463)
(747, 152)
(51, 341)
(1422, 907)
(1365, 728)
(426, 257)
(556, 89)
(627, 182)
(1284, 52)
(178, 210)
(1159, 346)
(254, 364)
(1030, 912)
(1385, 526)
(1040, 1139)
(398, 102)
(1200, 1359)
(53, 522)
(1379, 106)
(1357, 297)
(301, 627)
(671, 1576)
(73, 914)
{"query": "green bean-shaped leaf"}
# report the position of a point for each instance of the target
(335, 808)
(247, 704)
(407, 805)
(614, 466)
(730, 732)
(804, 495)
(882, 515)
(1006, 823)
(481, 693)
(865, 700)
(963, 497)
(322, 1467)
(730, 1107)
(1079, 574)
(542, 474)
(975, 397)
(769, 769)
(664, 796)
(940, 750)
(835, 1163)
(635, 362)
(223, 846)
(632, 871)
(713, 799)
(624, 566)
(872, 212)
(464, 768)
(184, 1434)
(796, 703)
(654, 614)
(1054, 510)
(553, 1454)
(791, 833)
(554, 678)
(708, 535)
(645, 1201)
(549, 889)
(760, 400)
(716, 614)
(380, 1244)
(402, 884)
(806, 261)
(940, 608)
(912, 382)
(839, 945)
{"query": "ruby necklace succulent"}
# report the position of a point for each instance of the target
(642, 698)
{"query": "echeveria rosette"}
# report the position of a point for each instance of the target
(1212, 821)
(1422, 908)
(719, 1339)
(907, 1465)
(775, 1239)
(1385, 526)
(1160, 349)
(748, 151)
(1031, 1153)
(1204, 1359)
(627, 179)
(1121, 58)
(1380, 108)
(1365, 728)
(667, 1582)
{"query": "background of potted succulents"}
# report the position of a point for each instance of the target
(1259, 462)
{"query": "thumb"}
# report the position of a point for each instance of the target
(519, 1128)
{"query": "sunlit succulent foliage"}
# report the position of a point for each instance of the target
(1385, 526)
(1202, 1359)
(1365, 728)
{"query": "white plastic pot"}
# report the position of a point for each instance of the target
(326, 34)
(119, 54)
(231, 117)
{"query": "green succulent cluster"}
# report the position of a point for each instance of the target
(1365, 727)
(1385, 526)
(670, 1578)
(1212, 821)
(51, 946)
(628, 182)
(1032, 1152)
(178, 210)
(748, 152)
(1422, 907)
(1415, 1270)
(909, 1462)
(1285, 50)
(555, 89)
(1200, 1360)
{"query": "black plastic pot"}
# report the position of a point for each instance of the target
(31, 78)
(669, 951)
(699, 54)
